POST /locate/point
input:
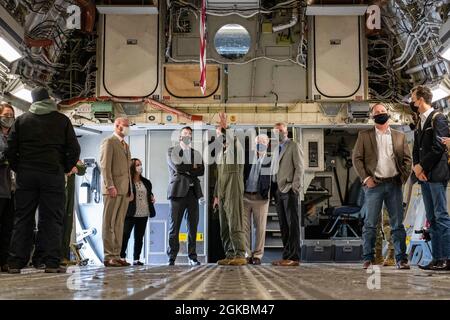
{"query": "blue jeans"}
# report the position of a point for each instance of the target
(435, 201)
(391, 195)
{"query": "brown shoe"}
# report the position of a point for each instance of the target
(277, 262)
(289, 263)
(403, 265)
(367, 264)
(123, 262)
(238, 262)
(256, 261)
(112, 263)
(250, 260)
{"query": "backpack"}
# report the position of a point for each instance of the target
(432, 126)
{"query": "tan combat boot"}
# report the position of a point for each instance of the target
(238, 261)
(378, 256)
(224, 262)
(390, 259)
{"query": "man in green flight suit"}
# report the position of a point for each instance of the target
(229, 196)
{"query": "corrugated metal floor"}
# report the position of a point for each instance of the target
(309, 281)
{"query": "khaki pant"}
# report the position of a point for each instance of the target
(114, 212)
(257, 207)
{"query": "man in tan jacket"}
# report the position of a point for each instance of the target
(382, 160)
(115, 162)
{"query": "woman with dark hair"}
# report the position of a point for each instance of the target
(6, 185)
(138, 211)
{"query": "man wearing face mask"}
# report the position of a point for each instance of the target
(6, 185)
(288, 175)
(431, 169)
(185, 166)
(382, 160)
(256, 198)
(115, 160)
(42, 148)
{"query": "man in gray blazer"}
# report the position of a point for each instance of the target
(185, 166)
(115, 163)
(288, 174)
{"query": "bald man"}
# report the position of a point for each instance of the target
(115, 160)
(382, 160)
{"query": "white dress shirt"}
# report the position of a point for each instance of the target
(386, 167)
(424, 116)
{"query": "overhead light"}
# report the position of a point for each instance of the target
(440, 90)
(445, 53)
(22, 92)
(8, 52)
(444, 37)
(439, 93)
(336, 10)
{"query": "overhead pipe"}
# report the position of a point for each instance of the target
(40, 43)
(421, 67)
(290, 24)
(88, 12)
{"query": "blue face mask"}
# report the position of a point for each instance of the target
(261, 147)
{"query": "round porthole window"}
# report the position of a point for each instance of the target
(232, 41)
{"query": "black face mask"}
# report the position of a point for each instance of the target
(413, 107)
(186, 140)
(381, 118)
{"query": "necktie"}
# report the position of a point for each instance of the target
(125, 146)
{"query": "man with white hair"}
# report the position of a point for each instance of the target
(256, 198)
(115, 160)
(382, 159)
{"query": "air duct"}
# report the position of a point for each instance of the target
(290, 24)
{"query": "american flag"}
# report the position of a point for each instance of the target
(203, 48)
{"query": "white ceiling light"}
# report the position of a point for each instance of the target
(439, 93)
(446, 54)
(336, 10)
(444, 37)
(7, 51)
(22, 92)
(440, 90)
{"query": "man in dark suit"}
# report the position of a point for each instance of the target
(431, 168)
(382, 160)
(185, 166)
